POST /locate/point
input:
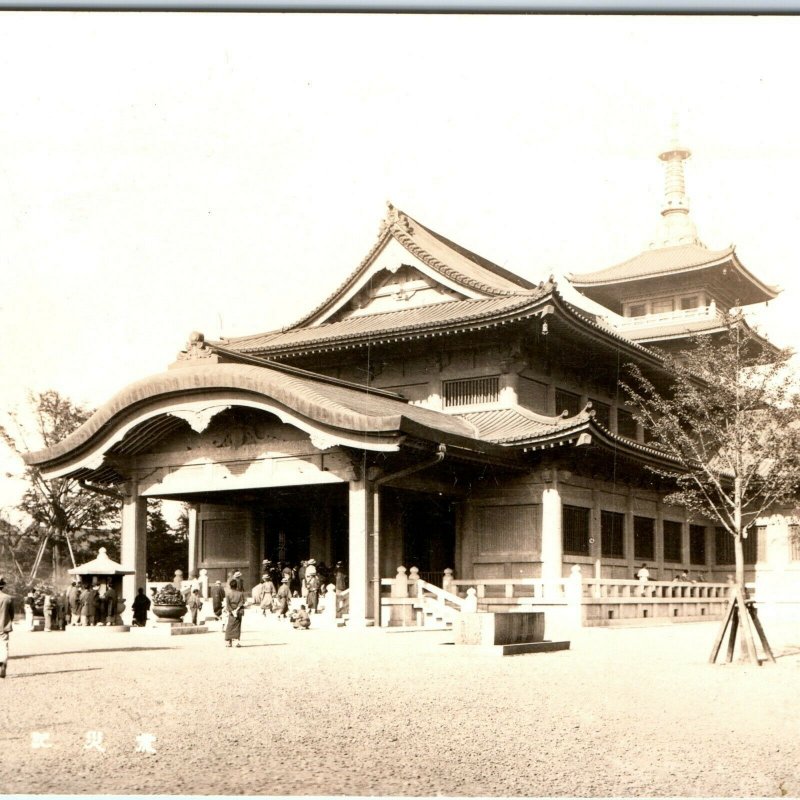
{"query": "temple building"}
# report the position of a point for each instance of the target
(436, 411)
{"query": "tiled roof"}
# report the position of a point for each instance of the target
(520, 428)
(512, 425)
(450, 260)
(476, 269)
(650, 263)
(334, 404)
(444, 315)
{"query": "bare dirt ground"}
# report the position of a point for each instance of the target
(625, 712)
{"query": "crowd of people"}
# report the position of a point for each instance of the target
(289, 592)
(80, 604)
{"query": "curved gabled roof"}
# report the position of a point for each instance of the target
(357, 412)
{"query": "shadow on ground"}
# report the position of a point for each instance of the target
(53, 672)
(88, 650)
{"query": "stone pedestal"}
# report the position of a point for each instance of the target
(504, 634)
(173, 628)
(491, 629)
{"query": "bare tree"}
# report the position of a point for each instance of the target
(730, 421)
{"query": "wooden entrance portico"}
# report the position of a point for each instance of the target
(234, 438)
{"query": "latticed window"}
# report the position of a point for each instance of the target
(532, 394)
(575, 530)
(602, 413)
(673, 546)
(644, 540)
(794, 542)
(567, 401)
(471, 391)
(626, 424)
(697, 544)
(724, 547)
(612, 534)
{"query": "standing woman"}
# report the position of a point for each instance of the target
(267, 592)
(234, 605)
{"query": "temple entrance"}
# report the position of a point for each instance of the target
(298, 523)
(429, 533)
(287, 535)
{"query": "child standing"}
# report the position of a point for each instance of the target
(195, 604)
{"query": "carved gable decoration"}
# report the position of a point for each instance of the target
(396, 287)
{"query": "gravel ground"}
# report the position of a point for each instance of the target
(625, 712)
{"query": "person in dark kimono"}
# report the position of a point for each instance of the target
(340, 577)
(100, 603)
(88, 604)
(73, 608)
(234, 605)
(6, 624)
(217, 598)
(61, 610)
(111, 606)
(141, 605)
(312, 592)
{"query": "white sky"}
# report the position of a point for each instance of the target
(163, 173)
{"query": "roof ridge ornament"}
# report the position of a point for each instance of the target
(395, 217)
(676, 227)
(196, 350)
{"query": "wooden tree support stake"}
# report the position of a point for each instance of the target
(741, 613)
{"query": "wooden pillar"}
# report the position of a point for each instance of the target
(319, 541)
(133, 544)
(194, 542)
(360, 505)
(659, 541)
(552, 553)
(686, 544)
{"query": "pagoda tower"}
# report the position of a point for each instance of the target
(677, 287)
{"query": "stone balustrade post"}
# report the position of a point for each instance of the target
(329, 609)
(471, 602)
(204, 584)
(399, 586)
(413, 578)
(401, 614)
(574, 595)
(447, 581)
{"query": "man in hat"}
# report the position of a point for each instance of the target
(283, 594)
(6, 624)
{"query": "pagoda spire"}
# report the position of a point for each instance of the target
(676, 227)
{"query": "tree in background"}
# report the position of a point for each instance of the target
(59, 507)
(731, 422)
(167, 546)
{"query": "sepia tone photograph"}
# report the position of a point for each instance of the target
(399, 405)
